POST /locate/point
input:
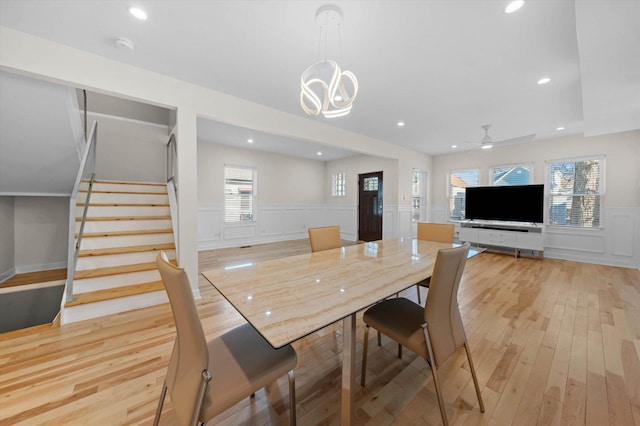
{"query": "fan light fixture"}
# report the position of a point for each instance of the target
(513, 6)
(325, 88)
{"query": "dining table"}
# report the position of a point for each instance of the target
(289, 298)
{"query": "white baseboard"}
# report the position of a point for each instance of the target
(41, 267)
(7, 274)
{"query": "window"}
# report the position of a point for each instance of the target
(576, 192)
(239, 194)
(339, 185)
(457, 182)
(419, 196)
(516, 174)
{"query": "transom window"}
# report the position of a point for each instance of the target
(576, 192)
(239, 194)
(339, 185)
(457, 181)
(515, 174)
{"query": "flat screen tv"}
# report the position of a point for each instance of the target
(521, 203)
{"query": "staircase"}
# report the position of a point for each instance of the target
(127, 224)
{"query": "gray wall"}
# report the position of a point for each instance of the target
(41, 233)
(7, 237)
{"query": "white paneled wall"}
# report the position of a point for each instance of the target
(289, 222)
(616, 243)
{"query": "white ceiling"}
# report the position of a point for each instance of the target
(443, 67)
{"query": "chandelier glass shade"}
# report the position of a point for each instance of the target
(326, 89)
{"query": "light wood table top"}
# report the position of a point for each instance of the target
(287, 299)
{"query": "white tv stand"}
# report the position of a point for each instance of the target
(516, 237)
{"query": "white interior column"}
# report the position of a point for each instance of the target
(187, 173)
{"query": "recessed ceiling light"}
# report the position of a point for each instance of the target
(513, 6)
(138, 13)
(560, 128)
(544, 80)
(318, 153)
(454, 146)
(400, 123)
(250, 140)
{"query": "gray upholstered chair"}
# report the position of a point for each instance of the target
(205, 378)
(438, 232)
(324, 238)
(434, 332)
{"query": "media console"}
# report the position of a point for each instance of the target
(516, 237)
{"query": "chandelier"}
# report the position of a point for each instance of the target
(325, 88)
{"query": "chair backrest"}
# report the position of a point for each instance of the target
(325, 238)
(438, 232)
(190, 356)
(441, 308)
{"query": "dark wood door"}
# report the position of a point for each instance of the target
(370, 206)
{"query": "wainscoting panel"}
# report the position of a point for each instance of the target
(344, 216)
(209, 223)
(271, 223)
(623, 227)
(295, 221)
(614, 244)
(404, 222)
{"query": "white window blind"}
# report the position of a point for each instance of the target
(339, 185)
(576, 192)
(239, 194)
(516, 174)
(457, 181)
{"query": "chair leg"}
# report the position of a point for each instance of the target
(364, 355)
(160, 404)
(399, 351)
(418, 291)
(443, 412)
(473, 374)
(379, 338)
(204, 383)
(292, 398)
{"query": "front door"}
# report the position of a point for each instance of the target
(370, 206)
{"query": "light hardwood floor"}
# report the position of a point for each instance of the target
(554, 342)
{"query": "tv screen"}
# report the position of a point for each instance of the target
(521, 203)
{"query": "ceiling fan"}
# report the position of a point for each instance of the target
(487, 142)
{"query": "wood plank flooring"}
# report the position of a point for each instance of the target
(554, 343)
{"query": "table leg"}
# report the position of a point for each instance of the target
(348, 367)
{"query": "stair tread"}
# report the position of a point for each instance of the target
(126, 233)
(116, 270)
(114, 293)
(125, 204)
(97, 191)
(115, 182)
(123, 250)
(111, 218)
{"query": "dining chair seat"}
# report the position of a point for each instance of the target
(435, 331)
(204, 377)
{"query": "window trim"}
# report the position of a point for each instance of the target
(423, 196)
(254, 196)
(601, 191)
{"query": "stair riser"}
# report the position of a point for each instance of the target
(115, 187)
(123, 211)
(108, 307)
(125, 241)
(123, 225)
(94, 262)
(115, 198)
(114, 281)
